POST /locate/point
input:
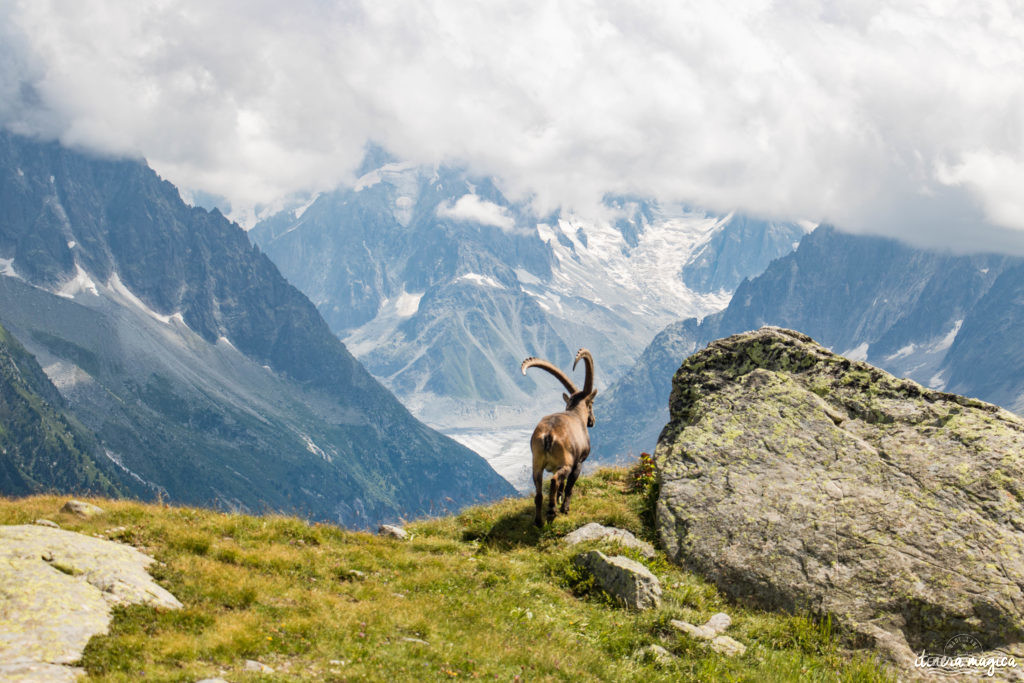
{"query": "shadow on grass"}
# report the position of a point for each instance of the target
(513, 530)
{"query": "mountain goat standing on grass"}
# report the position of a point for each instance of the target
(560, 442)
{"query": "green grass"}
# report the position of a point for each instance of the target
(491, 596)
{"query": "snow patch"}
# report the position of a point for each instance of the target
(7, 268)
(947, 341)
(118, 287)
(116, 459)
(407, 304)
(81, 282)
(302, 209)
(938, 381)
(473, 209)
(314, 449)
(857, 353)
(373, 177)
(526, 277)
(479, 279)
(904, 352)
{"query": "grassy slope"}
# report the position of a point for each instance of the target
(491, 596)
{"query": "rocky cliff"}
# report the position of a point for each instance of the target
(946, 321)
(205, 377)
(796, 478)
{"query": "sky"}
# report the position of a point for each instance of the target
(897, 118)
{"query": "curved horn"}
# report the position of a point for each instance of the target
(532, 362)
(588, 362)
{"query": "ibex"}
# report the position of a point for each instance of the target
(560, 442)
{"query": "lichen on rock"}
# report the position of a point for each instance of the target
(797, 479)
(56, 591)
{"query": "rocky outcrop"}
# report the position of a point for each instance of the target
(56, 592)
(795, 478)
(598, 532)
(626, 580)
(711, 632)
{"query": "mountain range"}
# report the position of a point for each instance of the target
(950, 322)
(199, 373)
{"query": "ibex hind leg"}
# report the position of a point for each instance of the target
(538, 498)
(571, 481)
(557, 482)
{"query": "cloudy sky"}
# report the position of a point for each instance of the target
(902, 118)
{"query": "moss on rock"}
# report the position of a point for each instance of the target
(796, 478)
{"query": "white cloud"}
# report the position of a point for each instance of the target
(470, 207)
(898, 116)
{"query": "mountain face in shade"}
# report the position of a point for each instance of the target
(204, 375)
(742, 247)
(41, 446)
(949, 322)
(441, 285)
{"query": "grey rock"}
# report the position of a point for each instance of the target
(212, 680)
(713, 627)
(698, 632)
(794, 478)
(418, 641)
(626, 580)
(728, 646)
(47, 522)
(718, 622)
(391, 531)
(258, 667)
(50, 608)
(25, 671)
(81, 509)
(655, 653)
(599, 532)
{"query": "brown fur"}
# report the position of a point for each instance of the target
(560, 442)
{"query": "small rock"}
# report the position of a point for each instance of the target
(351, 575)
(655, 653)
(599, 532)
(81, 509)
(392, 531)
(713, 627)
(259, 667)
(627, 580)
(718, 623)
(727, 646)
(415, 640)
(698, 632)
(212, 680)
(46, 522)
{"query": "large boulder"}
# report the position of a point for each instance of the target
(629, 582)
(56, 592)
(797, 479)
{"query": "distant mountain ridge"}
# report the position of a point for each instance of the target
(203, 373)
(949, 322)
(441, 285)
